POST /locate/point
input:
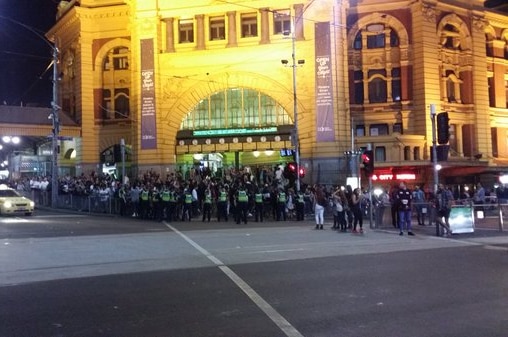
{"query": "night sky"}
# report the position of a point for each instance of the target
(24, 56)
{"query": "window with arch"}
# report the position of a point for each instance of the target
(116, 84)
(377, 86)
(236, 108)
(376, 36)
(377, 68)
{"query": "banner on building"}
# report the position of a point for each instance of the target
(325, 120)
(148, 116)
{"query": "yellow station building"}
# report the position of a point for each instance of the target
(219, 83)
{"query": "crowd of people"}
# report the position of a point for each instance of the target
(241, 196)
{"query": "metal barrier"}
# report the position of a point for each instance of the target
(489, 216)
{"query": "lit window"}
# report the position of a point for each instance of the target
(186, 31)
(217, 28)
(281, 22)
(249, 25)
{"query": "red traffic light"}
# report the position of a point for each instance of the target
(301, 172)
(292, 167)
(365, 158)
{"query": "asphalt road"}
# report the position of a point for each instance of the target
(79, 275)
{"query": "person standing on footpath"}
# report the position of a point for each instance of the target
(222, 204)
(404, 197)
(356, 200)
(319, 206)
(419, 204)
(258, 205)
(207, 205)
(300, 206)
(242, 205)
(444, 201)
(281, 205)
(394, 205)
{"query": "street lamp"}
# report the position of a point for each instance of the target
(54, 110)
(294, 135)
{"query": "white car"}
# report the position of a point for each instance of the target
(11, 202)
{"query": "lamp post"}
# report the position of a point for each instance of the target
(54, 110)
(294, 136)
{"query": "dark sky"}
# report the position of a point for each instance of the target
(23, 55)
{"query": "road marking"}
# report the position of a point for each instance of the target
(277, 318)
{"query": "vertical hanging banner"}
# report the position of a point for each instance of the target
(148, 117)
(325, 121)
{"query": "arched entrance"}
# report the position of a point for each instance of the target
(234, 128)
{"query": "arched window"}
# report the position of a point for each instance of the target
(116, 84)
(236, 108)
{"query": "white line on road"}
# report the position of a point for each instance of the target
(277, 318)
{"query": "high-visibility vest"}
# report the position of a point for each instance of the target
(242, 196)
(172, 196)
(282, 197)
(301, 198)
(144, 195)
(165, 195)
(223, 196)
(188, 198)
(208, 198)
(259, 198)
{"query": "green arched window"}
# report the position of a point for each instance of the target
(234, 108)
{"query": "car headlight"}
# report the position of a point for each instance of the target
(32, 204)
(7, 204)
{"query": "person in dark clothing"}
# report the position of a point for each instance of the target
(394, 206)
(356, 199)
(444, 201)
(404, 198)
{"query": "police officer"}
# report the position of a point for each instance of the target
(156, 203)
(165, 196)
(242, 205)
(187, 204)
(144, 202)
(281, 204)
(173, 201)
(222, 204)
(300, 206)
(207, 205)
(258, 205)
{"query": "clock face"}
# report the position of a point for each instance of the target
(235, 140)
(208, 141)
(194, 142)
(181, 142)
(263, 139)
(249, 139)
(221, 140)
(277, 138)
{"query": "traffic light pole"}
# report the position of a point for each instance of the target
(434, 155)
(371, 216)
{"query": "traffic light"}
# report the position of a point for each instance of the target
(290, 171)
(368, 162)
(301, 171)
(443, 128)
(292, 167)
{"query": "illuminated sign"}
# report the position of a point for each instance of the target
(229, 132)
(398, 176)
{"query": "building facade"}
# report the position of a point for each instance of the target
(221, 83)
